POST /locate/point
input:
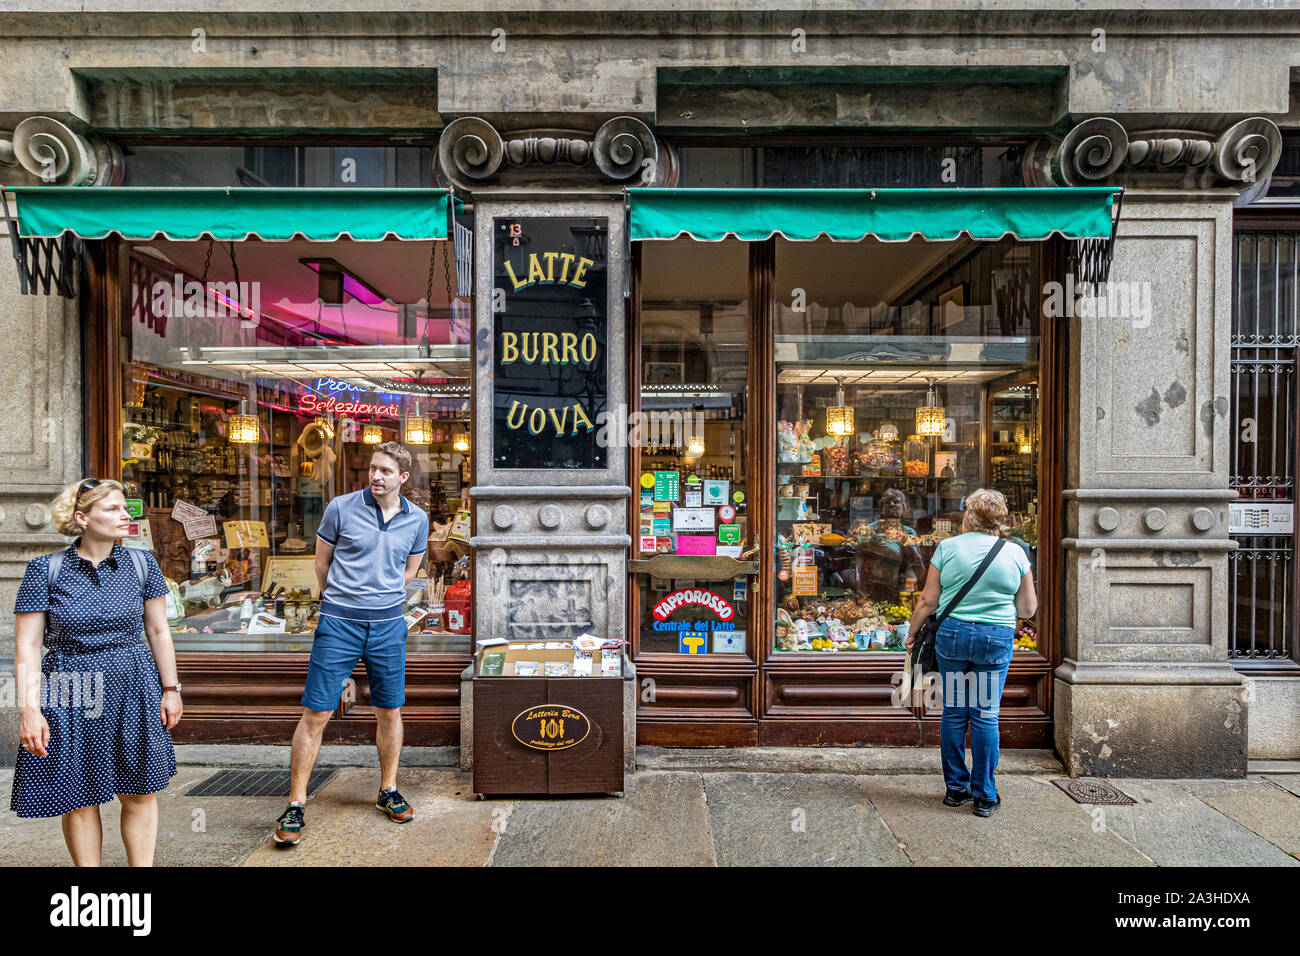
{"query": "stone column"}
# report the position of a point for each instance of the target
(1145, 689)
(550, 546)
(40, 445)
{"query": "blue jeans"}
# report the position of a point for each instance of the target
(973, 660)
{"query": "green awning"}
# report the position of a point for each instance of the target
(221, 212)
(891, 215)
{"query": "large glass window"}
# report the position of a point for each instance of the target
(906, 377)
(260, 376)
(694, 470)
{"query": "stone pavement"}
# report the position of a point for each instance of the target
(758, 807)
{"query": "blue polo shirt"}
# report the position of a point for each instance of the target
(367, 577)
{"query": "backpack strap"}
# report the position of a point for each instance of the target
(971, 582)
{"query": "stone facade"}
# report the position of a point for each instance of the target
(551, 113)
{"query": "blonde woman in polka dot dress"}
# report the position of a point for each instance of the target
(95, 714)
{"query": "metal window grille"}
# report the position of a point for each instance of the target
(1265, 336)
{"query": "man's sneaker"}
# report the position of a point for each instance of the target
(957, 798)
(288, 829)
(391, 802)
(985, 808)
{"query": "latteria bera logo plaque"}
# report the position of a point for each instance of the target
(550, 727)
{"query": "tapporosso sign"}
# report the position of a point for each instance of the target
(550, 328)
(714, 602)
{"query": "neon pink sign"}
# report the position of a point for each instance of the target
(316, 405)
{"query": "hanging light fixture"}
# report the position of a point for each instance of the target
(930, 416)
(326, 424)
(1024, 441)
(460, 442)
(839, 417)
(695, 447)
(372, 435)
(419, 430)
(243, 428)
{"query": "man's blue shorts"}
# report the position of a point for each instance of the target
(339, 644)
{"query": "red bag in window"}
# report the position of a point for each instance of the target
(459, 605)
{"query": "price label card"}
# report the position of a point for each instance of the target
(205, 527)
(183, 511)
(667, 485)
(246, 534)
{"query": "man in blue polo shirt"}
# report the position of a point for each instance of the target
(369, 546)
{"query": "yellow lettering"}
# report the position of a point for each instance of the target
(510, 271)
(589, 348)
(578, 281)
(550, 265)
(527, 338)
(578, 413)
(567, 258)
(509, 350)
(536, 421)
(535, 273)
(569, 347)
(510, 416)
(559, 422)
(549, 353)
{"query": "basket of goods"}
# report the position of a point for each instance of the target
(1026, 637)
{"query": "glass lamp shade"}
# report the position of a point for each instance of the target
(326, 423)
(929, 420)
(887, 431)
(1024, 442)
(243, 430)
(419, 430)
(460, 442)
(372, 435)
(695, 448)
(839, 421)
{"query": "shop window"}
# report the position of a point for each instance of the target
(341, 166)
(260, 376)
(906, 377)
(694, 459)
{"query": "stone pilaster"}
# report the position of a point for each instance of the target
(40, 445)
(1145, 688)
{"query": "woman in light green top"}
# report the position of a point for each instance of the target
(974, 643)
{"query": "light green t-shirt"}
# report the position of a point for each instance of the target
(992, 600)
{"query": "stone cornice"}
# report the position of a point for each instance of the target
(41, 149)
(622, 152)
(1101, 152)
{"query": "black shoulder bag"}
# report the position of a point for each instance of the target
(923, 651)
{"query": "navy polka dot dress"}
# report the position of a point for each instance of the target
(100, 690)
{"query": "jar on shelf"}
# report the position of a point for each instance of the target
(835, 460)
(916, 457)
(881, 457)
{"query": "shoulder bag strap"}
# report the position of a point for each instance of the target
(52, 574)
(141, 570)
(971, 582)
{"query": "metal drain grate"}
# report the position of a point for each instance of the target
(1095, 792)
(255, 783)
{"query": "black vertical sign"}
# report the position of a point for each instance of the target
(550, 342)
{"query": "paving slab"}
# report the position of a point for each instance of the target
(1037, 825)
(271, 757)
(1289, 782)
(850, 760)
(776, 819)
(1270, 812)
(1176, 828)
(662, 820)
(192, 831)
(343, 827)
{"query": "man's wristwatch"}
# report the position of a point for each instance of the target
(176, 687)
